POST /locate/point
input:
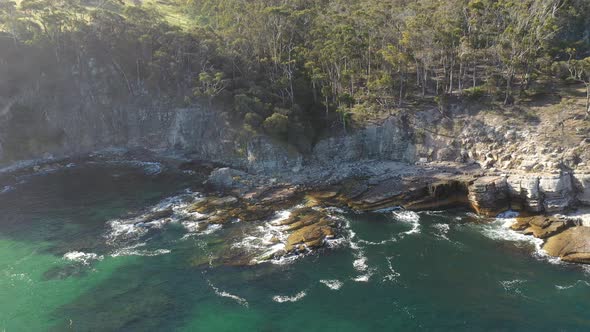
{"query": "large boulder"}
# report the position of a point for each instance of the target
(571, 245)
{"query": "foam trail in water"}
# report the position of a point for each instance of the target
(221, 293)
(283, 299)
(139, 252)
(578, 282)
(393, 275)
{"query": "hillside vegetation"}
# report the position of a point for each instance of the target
(290, 69)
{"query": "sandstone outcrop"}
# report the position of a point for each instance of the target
(489, 195)
(572, 245)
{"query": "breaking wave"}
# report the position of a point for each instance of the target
(500, 230)
(409, 217)
(333, 284)
(81, 257)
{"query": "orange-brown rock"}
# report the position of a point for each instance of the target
(571, 245)
(489, 195)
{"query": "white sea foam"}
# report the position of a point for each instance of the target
(124, 230)
(500, 230)
(512, 286)
(81, 257)
(409, 217)
(221, 293)
(283, 299)
(380, 243)
(578, 282)
(266, 240)
(582, 214)
(333, 284)
(360, 264)
(136, 227)
(130, 251)
(363, 278)
(442, 230)
(406, 216)
(285, 260)
(280, 217)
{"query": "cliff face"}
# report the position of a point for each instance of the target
(198, 131)
(393, 139)
(534, 165)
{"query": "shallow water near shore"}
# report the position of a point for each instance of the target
(61, 268)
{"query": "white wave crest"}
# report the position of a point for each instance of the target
(332, 284)
(283, 299)
(81, 257)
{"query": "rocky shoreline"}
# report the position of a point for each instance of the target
(365, 186)
(377, 185)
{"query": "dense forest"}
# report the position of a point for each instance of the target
(290, 68)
